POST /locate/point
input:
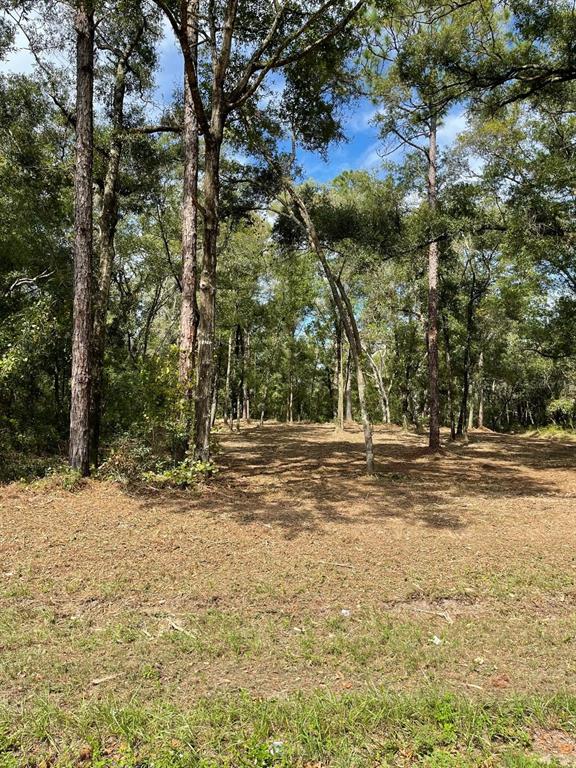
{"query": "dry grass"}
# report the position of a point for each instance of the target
(294, 572)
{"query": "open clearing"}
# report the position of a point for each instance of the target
(294, 575)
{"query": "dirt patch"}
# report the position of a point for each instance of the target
(555, 746)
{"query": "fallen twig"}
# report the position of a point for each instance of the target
(443, 614)
(337, 565)
(98, 680)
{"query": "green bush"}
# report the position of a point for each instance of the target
(154, 457)
(128, 459)
(185, 474)
(562, 411)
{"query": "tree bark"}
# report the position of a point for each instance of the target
(263, 405)
(79, 448)
(290, 404)
(189, 306)
(348, 388)
(382, 391)
(207, 301)
(471, 412)
(227, 407)
(340, 376)
(214, 405)
(433, 385)
(467, 360)
(246, 378)
(448, 357)
(481, 390)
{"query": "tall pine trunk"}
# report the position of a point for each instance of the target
(467, 360)
(227, 408)
(448, 358)
(189, 306)
(246, 378)
(79, 447)
(433, 386)
(207, 301)
(481, 390)
(348, 388)
(382, 391)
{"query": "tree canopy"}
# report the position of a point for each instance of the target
(185, 251)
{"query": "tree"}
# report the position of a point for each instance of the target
(189, 305)
(415, 93)
(79, 450)
(243, 45)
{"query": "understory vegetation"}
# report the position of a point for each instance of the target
(452, 294)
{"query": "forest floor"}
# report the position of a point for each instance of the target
(291, 599)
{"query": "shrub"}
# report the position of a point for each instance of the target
(185, 474)
(562, 411)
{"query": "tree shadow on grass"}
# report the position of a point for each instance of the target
(305, 478)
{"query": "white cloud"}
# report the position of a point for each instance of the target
(360, 119)
(454, 124)
(372, 157)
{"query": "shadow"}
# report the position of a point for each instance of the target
(307, 477)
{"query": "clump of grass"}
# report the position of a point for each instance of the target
(366, 729)
(552, 432)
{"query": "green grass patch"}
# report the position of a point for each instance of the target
(372, 728)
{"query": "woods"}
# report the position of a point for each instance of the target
(287, 383)
(489, 344)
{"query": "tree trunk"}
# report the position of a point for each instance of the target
(481, 390)
(227, 381)
(290, 406)
(245, 379)
(189, 306)
(107, 231)
(382, 392)
(348, 388)
(433, 386)
(79, 448)
(448, 357)
(263, 405)
(467, 358)
(207, 301)
(471, 413)
(340, 376)
(214, 406)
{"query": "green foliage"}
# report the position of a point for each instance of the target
(562, 411)
(185, 474)
(64, 477)
(151, 456)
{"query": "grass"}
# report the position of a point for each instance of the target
(296, 614)
(352, 730)
(552, 431)
(46, 656)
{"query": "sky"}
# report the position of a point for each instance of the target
(361, 150)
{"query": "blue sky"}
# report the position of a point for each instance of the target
(361, 150)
